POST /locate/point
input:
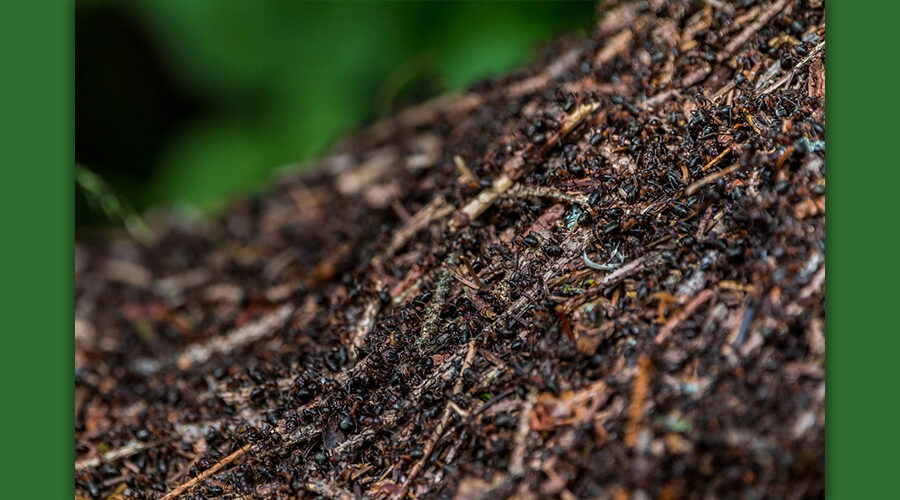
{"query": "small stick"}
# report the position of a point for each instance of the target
(641, 384)
(440, 427)
(207, 473)
(751, 30)
(128, 450)
(681, 316)
(135, 447)
(517, 465)
(494, 400)
(685, 175)
(548, 192)
(327, 490)
(659, 98)
(434, 210)
(628, 269)
(471, 270)
(467, 362)
(711, 178)
(459, 277)
(814, 284)
(433, 312)
(711, 223)
(535, 83)
(696, 76)
(464, 171)
(200, 353)
(476, 206)
(613, 47)
(576, 117)
(365, 324)
(752, 123)
(716, 159)
(784, 156)
(796, 67)
(459, 411)
(722, 91)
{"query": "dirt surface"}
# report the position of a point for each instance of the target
(598, 277)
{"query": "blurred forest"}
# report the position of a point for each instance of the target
(189, 103)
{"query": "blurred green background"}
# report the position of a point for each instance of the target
(189, 103)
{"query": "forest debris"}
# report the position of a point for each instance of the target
(593, 265)
(438, 430)
(688, 309)
(517, 464)
(352, 182)
(465, 173)
(751, 29)
(427, 152)
(659, 98)
(436, 209)
(815, 337)
(814, 284)
(475, 207)
(132, 448)
(511, 170)
(711, 178)
(365, 323)
(223, 292)
(548, 192)
(328, 490)
(433, 312)
(553, 71)
(638, 397)
(207, 473)
(809, 208)
(612, 173)
(471, 271)
(715, 160)
(817, 78)
(614, 47)
(240, 337)
(172, 285)
(619, 162)
(472, 488)
(813, 55)
(128, 273)
(572, 407)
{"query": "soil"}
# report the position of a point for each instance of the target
(600, 276)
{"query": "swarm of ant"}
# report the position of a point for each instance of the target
(600, 277)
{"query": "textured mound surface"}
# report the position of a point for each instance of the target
(598, 277)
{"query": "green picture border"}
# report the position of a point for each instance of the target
(36, 46)
(37, 231)
(863, 187)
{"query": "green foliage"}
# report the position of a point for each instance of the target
(287, 78)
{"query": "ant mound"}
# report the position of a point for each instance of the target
(601, 276)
